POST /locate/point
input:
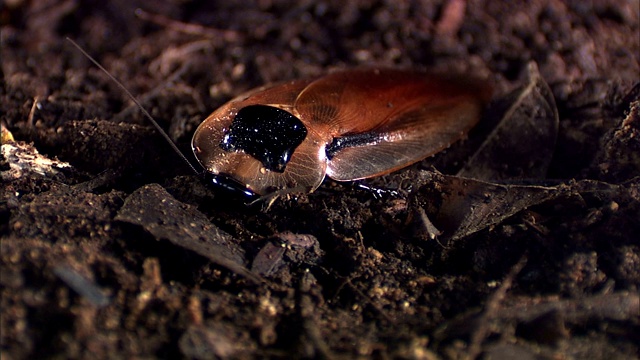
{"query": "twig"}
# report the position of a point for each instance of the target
(192, 29)
(491, 310)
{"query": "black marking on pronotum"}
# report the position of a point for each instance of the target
(267, 133)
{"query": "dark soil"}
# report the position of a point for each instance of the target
(535, 253)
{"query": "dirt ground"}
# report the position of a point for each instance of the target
(519, 242)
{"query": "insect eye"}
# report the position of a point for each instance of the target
(230, 186)
(267, 133)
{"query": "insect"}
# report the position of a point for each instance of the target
(347, 125)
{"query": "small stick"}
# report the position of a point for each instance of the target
(491, 310)
(191, 29)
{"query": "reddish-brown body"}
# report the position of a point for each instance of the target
(359, 124)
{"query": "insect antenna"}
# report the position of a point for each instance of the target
(144, 111)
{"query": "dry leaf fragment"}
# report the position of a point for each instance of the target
(523, 142)
(155, 210)
(460, 207)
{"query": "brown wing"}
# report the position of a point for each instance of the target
(408, 115)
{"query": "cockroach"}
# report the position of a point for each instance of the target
(347, 125)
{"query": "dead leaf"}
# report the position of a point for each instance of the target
(155, 210)
(523, 142)
(460, 207)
